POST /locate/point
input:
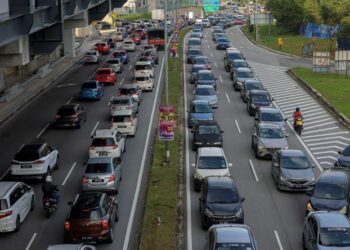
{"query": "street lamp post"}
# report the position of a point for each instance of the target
(167, 152)
(256, 20)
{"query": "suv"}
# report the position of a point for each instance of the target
(192, 53)
(240, 75)
(258, 98)
(266, 139)
(90, 90)
(115, 64)
(132, 90)
(122, 55)
(129, 45)
(102, 174)
(235, 64)
(34, 161)
(271, 115)
(209, 161)
(70, 115)
(125, 122)
(206, 77)
(326, 230)
(92, 57)
(16, 200)
(107, 142)
(249, 85)
(331, 192)
(207, 134)
(144, 80)
(225, 236)
(119, 104)
(91, 218)
(220, 202)
(292, 171)
(230, 55)
(144, 68)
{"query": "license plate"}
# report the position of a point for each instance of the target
(97, 180)
(102, 153)
(26, 166)
(298, 186)
(121, 126)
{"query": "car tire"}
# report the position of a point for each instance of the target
(57, 165)
(32, 204)
(110, 238)
(303, 243)
(18, 224)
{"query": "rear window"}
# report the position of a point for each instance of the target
(98, 168)
(143, 67)
(27, 153)
(121, 118)
(102, 142)
(141, 78)
(127, 91)
(104, 72)
(120, 101)
(92, 53)
(66, 111)
(88, 85)
(3, 204)
(85, 213)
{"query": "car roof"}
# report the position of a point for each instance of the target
(205, 71)
(333, 176)
(244, 69)
(199, 66)
(232, 233)
(332, 219)
(204, 87)
(88, 199)
(258, 91)
(194, 102)
(104, 133)
(5, 186)
(194, 38)
(65, 247)
(268, 125)
(292, 152)
(220, 181)
(269, 110)
(252, 81)
(101, 159)
(201, 56)
(143, 63)
(211, 151)
(239, 60)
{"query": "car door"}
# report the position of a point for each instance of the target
(26, 198)
(117, 169)
(255, 136)
(121, 141)
(202, 198)
(17, 203)
(275, 165)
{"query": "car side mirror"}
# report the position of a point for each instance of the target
(230, 165)
(70, 203)
(242, 199)
(308, 193)
(193, 165)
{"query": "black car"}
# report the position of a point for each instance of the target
(232, 54)
(235, 64)
(192, 53)
(205, 77)
(292, 171)
(258, 98)
(207, 134)
(344, 158)
(194, 72)
(331, 192)
(247, 86)
(70, 115)
(220, 201)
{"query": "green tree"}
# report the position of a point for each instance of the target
(288, 13)
(312, 11)
(333, 11)
(344, 31)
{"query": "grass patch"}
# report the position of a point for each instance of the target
(335, 88)
(162, 190)
(292, 44)
(136, 16)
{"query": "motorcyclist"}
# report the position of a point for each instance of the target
(297, 114)
(50, 191)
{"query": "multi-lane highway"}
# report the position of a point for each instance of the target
(32, 123)
(275, 217)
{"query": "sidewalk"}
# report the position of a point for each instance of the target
(33, 86)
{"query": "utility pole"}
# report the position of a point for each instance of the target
(167, 152)
(256, 21)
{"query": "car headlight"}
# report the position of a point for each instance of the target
(253, 105)
(309, 207)
(217, 143)
(239, 213)
(286, 147)
(198, 142)
(283, 179)
(312, 179)
(260, 145)
(343, 210)
(207, 212)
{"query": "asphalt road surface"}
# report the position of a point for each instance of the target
(32, 123)
(276, 218)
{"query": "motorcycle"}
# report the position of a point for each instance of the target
(50, 205)
(298, 125)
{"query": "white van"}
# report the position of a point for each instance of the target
(125, 123)
(144, 68)
(144, 81)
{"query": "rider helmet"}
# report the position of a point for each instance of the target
(48, 178)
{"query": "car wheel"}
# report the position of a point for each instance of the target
(303, 242)
(110, 238)
(204, 223)
(32, 204)
(116, 215)
(57, 166)
(18, 224)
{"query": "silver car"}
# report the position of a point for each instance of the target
(116, 64)
(206, 92)
(271, 115)
(92, 56)
(266, 139)
(71, 247)
(102, 174)
(121, 103)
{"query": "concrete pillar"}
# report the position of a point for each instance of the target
(69, 42)
(2, 80)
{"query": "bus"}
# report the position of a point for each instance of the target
(156, 37)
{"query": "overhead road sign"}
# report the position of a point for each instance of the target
(211, 5)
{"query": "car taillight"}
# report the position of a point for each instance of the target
(119, 94)
(92, 147)
(14, 162)
(57, 116)
(5, 214)
(67, 225)
(114, 146)
(74, 116)
(104, 224)
(84, 180)
(111, 178)
(39, 162)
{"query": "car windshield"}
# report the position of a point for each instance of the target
(141, 78)
(202, 108)
(252, 85)
(205, 91)
(194, 42)
(89, 85)
(222, 40)
(346, 151)
(211, 162)
(206, 76)
(222, 195)
(245, 74)
(97, 168)
(242, 64)
(261, 98)
(234, 56)
(142, 67)
(194, 52)
(271, 117)
(91, 53)
(233, 246)
(330, 191)
(196, 69)
(335, 237)
(208, 129)
(294, 162)
(102, 142)
(196, 35)
(271, 133)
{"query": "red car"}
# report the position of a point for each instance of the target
(106, 75)
(238, 22)
(135, 38)
(141, 33)
(102, 48)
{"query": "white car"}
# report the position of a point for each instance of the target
(107, 142)
(119, 36)
(144, 68)
(16, 201)
(34, 161)
(129, 45)
(92, 56)
(71, 247)
(125, 122)
(144, 81)
(209, 161)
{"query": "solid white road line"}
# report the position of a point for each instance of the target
(253, 170)
(31, 241)
(130, 66)
(220, 78)
(70, 99)
(238, 128)
(121, 82)
(322, 135)
(278, 240)
(142, 167)
(215, 65)
(43, 130)
(187, 167)
(228, 99)
(93, 130)
(320, 130)
(69, 173)
(4, 174)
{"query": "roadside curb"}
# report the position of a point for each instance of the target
(339, 116)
